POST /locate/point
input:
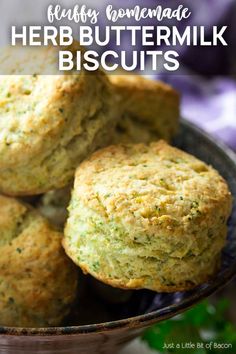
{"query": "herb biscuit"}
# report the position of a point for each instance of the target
(49, 123)
(37, 281)
(151, 109)
(147, 216)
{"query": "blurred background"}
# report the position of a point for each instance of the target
(207, 82)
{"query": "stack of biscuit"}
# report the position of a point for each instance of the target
(141, 215)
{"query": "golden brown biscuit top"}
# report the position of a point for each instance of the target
(133, 88)
(150, 103)
(17, 218)
(34, 111)
(141, 83)
(155, 185)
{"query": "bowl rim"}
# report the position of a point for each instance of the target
(150, 318)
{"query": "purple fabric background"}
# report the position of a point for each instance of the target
(209, 103)
(206, 81)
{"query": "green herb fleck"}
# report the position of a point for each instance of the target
(96, 266)
(11, 300)
(194, 204)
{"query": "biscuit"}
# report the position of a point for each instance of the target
(151, 109)
(130, 130)
(49, 123)
(37, 281)
(147, 216)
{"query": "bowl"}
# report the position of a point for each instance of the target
(145, 307)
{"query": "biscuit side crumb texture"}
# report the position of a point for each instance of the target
(37, 281)
(50, 123)
(149, 217)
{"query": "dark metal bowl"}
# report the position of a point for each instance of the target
(145, 307)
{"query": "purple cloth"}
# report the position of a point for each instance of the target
(208, 97)
(210, 104)
(204, 60)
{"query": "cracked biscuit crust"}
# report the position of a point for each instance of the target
(37, 281)
(147, 216)
(48, 125)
